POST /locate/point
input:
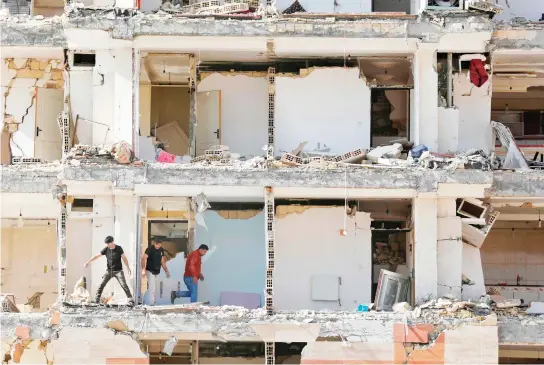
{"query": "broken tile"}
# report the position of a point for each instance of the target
(54, 320)
(22, 332)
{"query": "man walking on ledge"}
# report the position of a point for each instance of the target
(192, 275)
(113, 254)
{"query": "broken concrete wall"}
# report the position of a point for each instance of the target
(328, 108)
(474, 104)
(448, 130)
(309, 246)
(532, 10)
(411, 344)
(96, 346)
(244, 111)
(106, 100)
(21, 79)
(29, 261)
(236, 261)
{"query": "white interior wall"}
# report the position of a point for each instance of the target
(104, 97)
(81, 102)
(330, 106)
(79, 248)
(472, 268)
(123, 105)
(474, 104)
(425, 120)
(244, 111)
(29, 263)
(425, 248)
(448, 130)
(309, 243)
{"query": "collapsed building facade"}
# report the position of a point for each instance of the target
(330, 155)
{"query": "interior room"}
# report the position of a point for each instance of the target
(29, 263)
(338, 257)
(232, 231)
(512, 255)
(391, 81)
(165, 100)
(232, 352)
(518, 98)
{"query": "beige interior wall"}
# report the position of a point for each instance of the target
(48, 11)
(532, 100)
(507, 253)
(145, 109)
(29, 263)
(169, 104)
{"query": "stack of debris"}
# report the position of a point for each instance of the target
(220, 155)
(119, 152)
(514, 157)
(400, 153)
(390, 252)
(213, 7)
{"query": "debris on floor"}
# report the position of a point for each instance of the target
(398, 154)
(80, 295)
(120, 153)
(212, 7)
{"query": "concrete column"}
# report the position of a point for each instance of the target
(123, 96)
(449, 249)
(425, 129)
(125, 228)
(425, 247)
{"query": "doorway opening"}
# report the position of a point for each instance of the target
(390, 115)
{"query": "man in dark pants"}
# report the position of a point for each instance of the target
(113, 254)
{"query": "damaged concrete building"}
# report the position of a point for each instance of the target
(366, 175)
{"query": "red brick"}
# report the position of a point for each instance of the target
(413, 334)
(432, 356)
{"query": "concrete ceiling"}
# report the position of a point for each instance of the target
(164, 68)
(387, 71)
(517, 71)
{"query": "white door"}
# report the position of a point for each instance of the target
(208, 116)
(48, 140)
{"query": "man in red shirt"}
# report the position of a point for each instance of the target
(192, 275)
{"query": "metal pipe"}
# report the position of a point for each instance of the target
(450, 80)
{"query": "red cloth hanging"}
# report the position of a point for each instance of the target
(478, 75)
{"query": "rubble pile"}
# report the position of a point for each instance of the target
(221, 155)
(399, 154)
(213, 7)
(120, 152)
(389, 253)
